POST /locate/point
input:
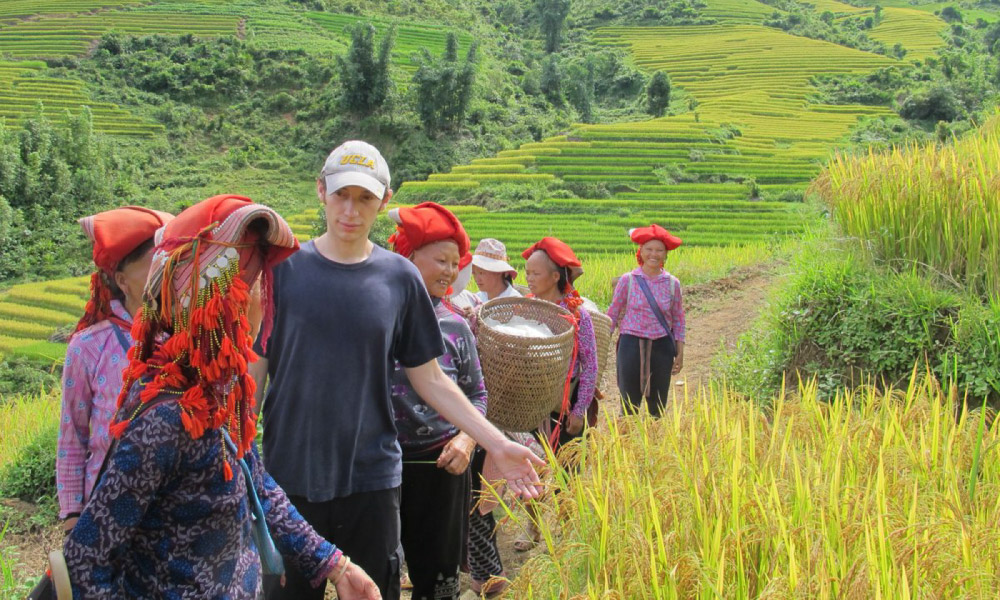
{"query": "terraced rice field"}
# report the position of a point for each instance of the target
(737, 11)
(748, 76)
(752, 75)
(13, 10)
(410, 37)
(23, 86)
(73, 35)
(271, 25)
(837, 8)
(31, 313)
(917, 30)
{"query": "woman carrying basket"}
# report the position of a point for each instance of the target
(96, 356)
(172, 516)
(434, 503)
(551, 269)
(648, 307)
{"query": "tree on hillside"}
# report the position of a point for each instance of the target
(49, 177)
(443, 87)
(936, 102)
(951, 14)
(551, 81)
(658, 94)
(365, 79)
(552, 14)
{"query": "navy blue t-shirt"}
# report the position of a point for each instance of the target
(328, 420)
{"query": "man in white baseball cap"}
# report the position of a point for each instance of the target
(356, 163)
(345, 310)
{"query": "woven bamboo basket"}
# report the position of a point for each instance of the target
(524, 376)
(602, 331)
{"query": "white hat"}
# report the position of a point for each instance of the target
(356, 163)
(491, 255)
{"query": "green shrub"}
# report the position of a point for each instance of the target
(21, 375)
(847, 322)
(31, 476)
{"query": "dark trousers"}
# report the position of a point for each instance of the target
(363, 526)
(629, 373)
(434, 514)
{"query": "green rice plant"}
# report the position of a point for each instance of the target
(442, 185)
(25, 329)
(936, 207)
(10, 344)
(46, 316)
(863, 496)
(49, 352)
(480, 168)
(75, 285)
(493, 177)
(10, 588)
(22, 417)
(70, 303)
(918, 31)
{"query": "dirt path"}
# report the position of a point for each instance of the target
(717, 314)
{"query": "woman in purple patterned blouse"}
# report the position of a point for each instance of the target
(648, 353)
(92, 374)
(551, 269)
(171, 515)
(434, 501)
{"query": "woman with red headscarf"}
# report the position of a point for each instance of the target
(434, 503)
(551, 267)
(96, 356)
(183, 507)
(647, 306)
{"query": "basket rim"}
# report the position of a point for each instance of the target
(496, 302)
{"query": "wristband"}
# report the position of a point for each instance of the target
(341, 568)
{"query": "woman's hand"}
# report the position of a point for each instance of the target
(69, 524)
(456, 454)
(255, 312)
(355, 584)
(574, 424)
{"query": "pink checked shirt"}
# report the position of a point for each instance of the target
(92, 378)
(631, 312)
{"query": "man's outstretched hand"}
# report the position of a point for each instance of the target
(517, 465)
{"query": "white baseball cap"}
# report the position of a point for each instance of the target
(356, 163)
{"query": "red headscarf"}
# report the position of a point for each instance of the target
(425, 224)
(192, 334)
(560, 253)
(115, 234)
(642, 235)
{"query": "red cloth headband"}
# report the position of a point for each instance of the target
(425, 224)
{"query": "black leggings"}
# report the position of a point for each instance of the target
(434, 514)
(629, 373)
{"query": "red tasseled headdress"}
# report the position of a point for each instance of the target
(197, 298)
